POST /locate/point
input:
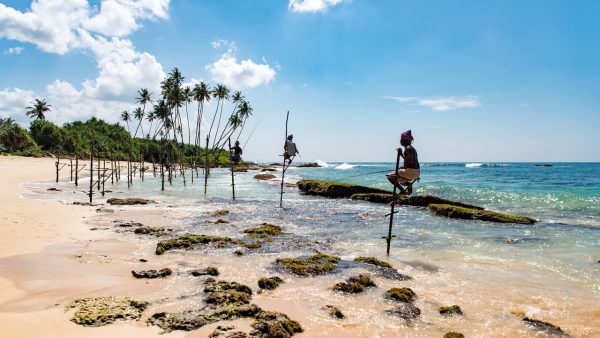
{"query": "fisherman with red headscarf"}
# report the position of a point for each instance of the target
(410, 171)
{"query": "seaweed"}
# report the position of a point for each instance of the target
(373, 261)
(335, 189)
(406, 295)
(453, 334)
(190, 240)
(220, 213)
(265, 230)
(317, 264)
(264, 177)
(151, 274)
(129, 201)
(274, 324)
(482, 215)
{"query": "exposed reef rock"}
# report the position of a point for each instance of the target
(129, 201)
(373, 261)
(249, 245)
(545, 327)
(190, 241)
(274, 324)
(146, 230)
(453, 334)
(317, 264)
(53, 189)
(453, 310)
(417, 201)
(264, 177)
(269, 169)
(265, 230)
(405, 311)
(209, 271)
(482, 215)
(105, 310)
(226, 293)
(220, 213)
(334, 312)
(221, 221)
(270, 283)
(355, 284)
(335, 189)
(308, 165)
(406, 295)
(151, 274)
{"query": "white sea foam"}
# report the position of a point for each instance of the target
(473, 165)
(323, 164)
(346, 166)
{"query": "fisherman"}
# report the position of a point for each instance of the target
(237, 153)
(290, 150)
(410, 171)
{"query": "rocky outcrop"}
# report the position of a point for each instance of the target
(209, 271)
(417, 201)
(270, 283)
(101, 311)
(335, 189)
(545, 327)
(274, 324)
(317, 264)
(151, 274)
(355, 284)
(453, 310)
(406, 295)
(264, 177)
(452, 211)
(190, 241)
(265, 230)
(405, 311)
(129, 201)
(334, 312)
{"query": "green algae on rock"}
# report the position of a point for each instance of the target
(417, 201)
(188, 241)
(406, 295)
(274, 324)
(270, 283)
(373, 261)
(105, 310)
(194, 319)
(334, 312)
(220, 213)
(482, 215)
(317, 264)
(221, 221)
(450, 310)
(335, 189)
(146, 230)
(264, 177)
(355, 284)
(405, 311)
(453, 334)
(264, 230)
(129, 201)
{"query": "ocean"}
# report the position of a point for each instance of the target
(549, 269)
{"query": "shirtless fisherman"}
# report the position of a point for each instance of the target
(410, 171)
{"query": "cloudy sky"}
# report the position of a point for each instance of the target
(474, 80)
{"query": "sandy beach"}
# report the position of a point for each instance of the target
(52, 253)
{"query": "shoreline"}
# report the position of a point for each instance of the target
(108, 257)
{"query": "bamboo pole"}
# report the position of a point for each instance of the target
(283, 167)
(389, 236)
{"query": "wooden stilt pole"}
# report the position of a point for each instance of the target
(71, 165)
(392, 212)
(206, 169)
(92, 166)
(57, 164)
(232, 167)
(283, 168)
(103, 175)
(76, 168)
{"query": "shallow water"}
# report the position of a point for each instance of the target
(548, 270)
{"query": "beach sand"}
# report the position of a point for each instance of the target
(49, 256)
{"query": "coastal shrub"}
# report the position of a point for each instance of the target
(452, 211)
(14, 139)
(47, 135)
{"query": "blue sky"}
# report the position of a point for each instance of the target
(474, 80)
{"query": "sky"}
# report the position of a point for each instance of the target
(475, 81)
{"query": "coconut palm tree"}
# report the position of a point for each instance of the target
(221, 93)
(37, 109)
(138, 113)
(144, 97)
(125, 117)
(187, 98)
(201, 94)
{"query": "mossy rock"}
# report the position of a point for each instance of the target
(215, 290)
(264, 177)
(265, 230)
(220, 213)
(209, 271)
(146, 230)
(269, 169)
(547, 328)
(452, 211)
(453, 310)
(354, 284)
(317, 264)
(274, 324)
(151, 274)
(221, 221)
(334, 312)
(101, 311)
(270, 283)
(453, 334)
(335, 189)
(189, 241)
(129, 201)
(195, 319)
(406, 295)
(417, 201)
(249, 245)
(405, 311)
(373, 261)
(240, 169)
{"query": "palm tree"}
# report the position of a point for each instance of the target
(144, 97)
(201, 93)
(138, 113)
(235, 98)
(222, 93)
(125, 117)
(187, 98)
(37, 109)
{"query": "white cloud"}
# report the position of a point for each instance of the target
(246, 74)
(13, 51)
(14, 101)
(312, 5)
(440, 103)
(59, 26)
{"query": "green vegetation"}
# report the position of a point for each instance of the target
(105, 310)
(16, 140)
(128, 201)
(317, 264)
(265, 230)
(452, 211)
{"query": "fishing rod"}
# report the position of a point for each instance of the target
(251, 133)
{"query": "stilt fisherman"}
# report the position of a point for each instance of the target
(410, 171)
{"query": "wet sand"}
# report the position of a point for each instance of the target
(66, 260)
